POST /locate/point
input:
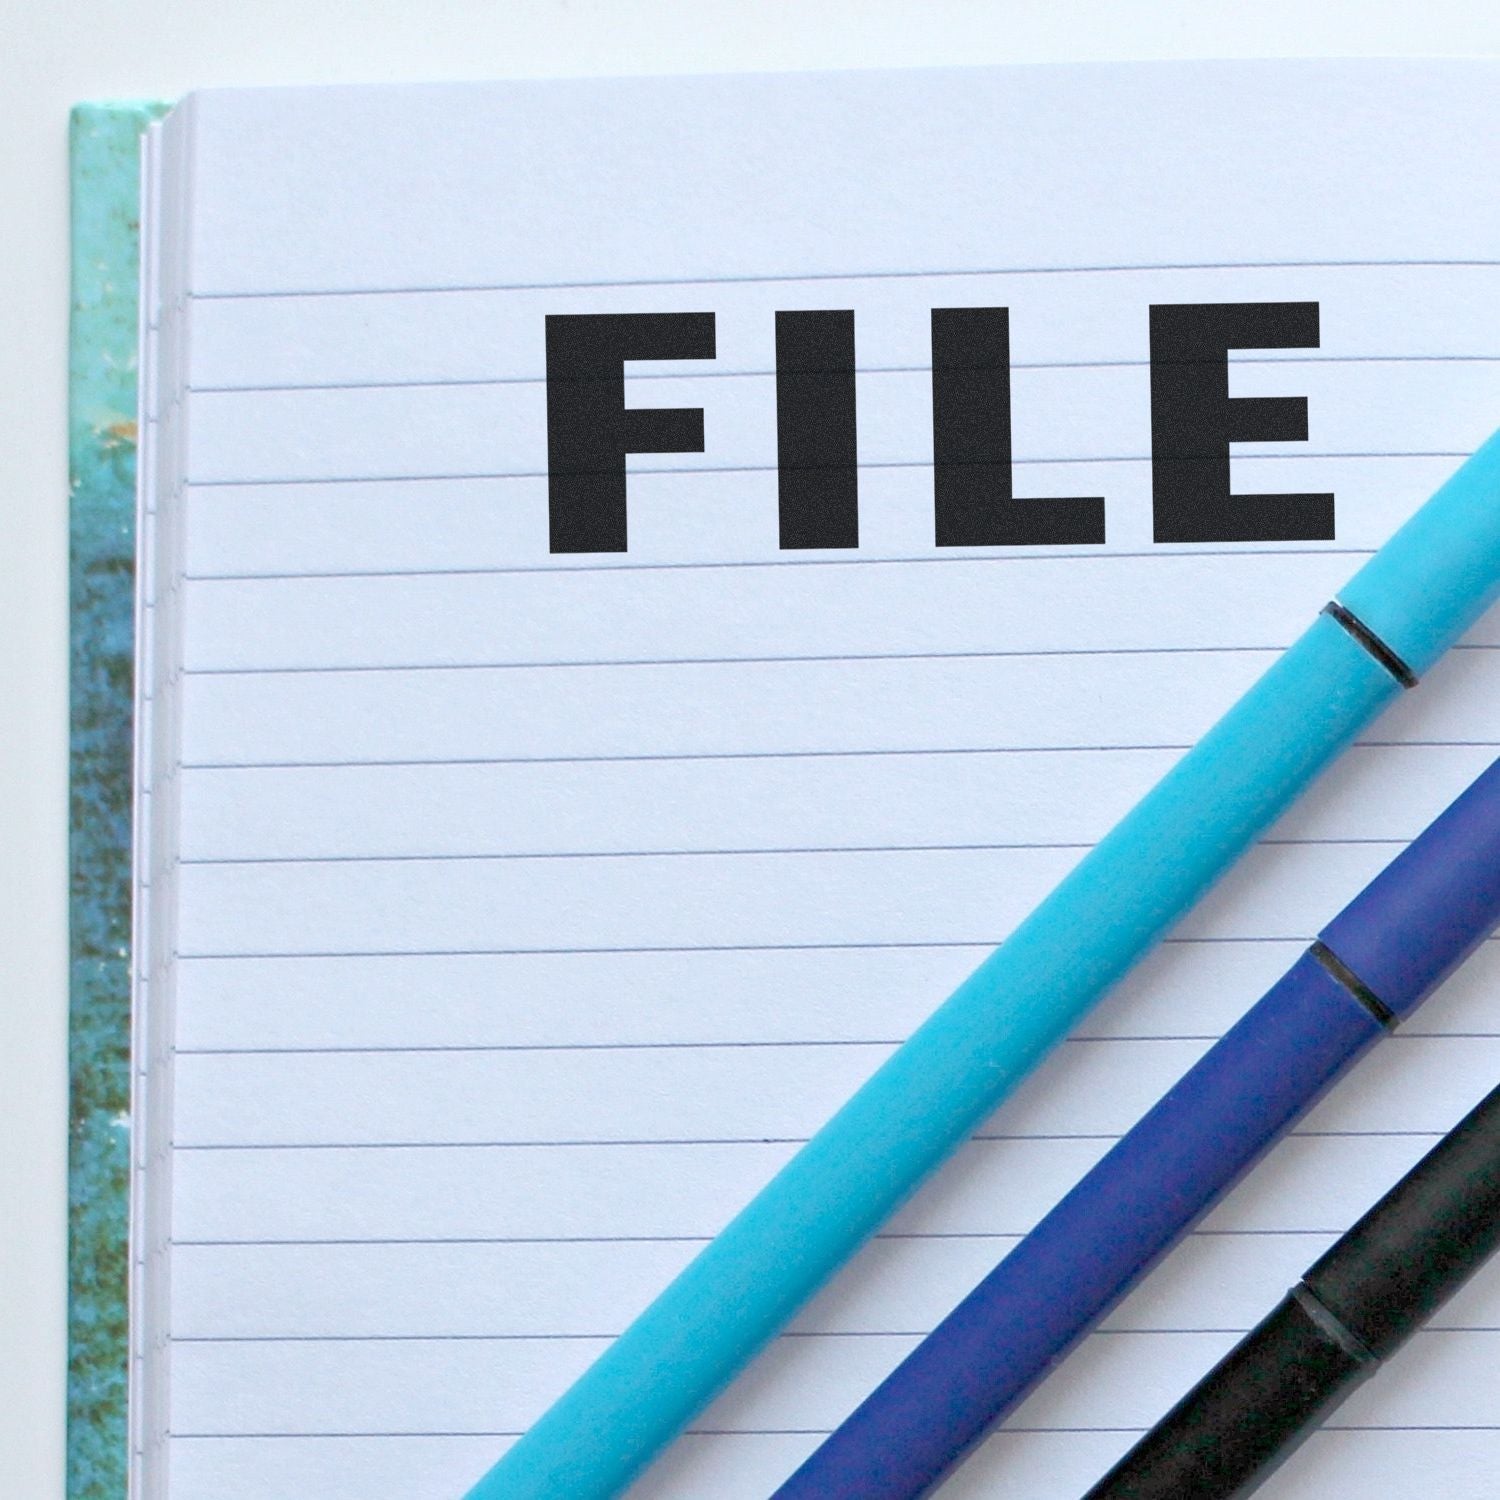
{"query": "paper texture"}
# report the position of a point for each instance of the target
(531, 907)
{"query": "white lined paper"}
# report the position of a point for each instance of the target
(534, 907)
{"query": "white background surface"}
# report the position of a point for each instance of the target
(58, 51)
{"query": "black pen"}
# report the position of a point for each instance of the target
(1352, 1310)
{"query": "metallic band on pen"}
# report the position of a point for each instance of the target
(1354, 984)
(1329, 1325)
(1372, 643)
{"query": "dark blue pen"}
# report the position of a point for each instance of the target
(1370, 967)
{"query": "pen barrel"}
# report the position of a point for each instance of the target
(1419, 1244)
(950, 1074)
(1425, 912)
(972, 1052)
(1247, 1414)
(1085, 1254)
(1376, 962)
(1356, 1305)
(1434, 578)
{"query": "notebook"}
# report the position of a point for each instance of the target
(606, 670)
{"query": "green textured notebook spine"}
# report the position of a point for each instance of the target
(105, 175)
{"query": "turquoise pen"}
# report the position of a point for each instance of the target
(1395, 618)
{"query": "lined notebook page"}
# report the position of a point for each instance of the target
(534, 907)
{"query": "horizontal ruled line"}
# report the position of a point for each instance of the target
(785, 278)
(694, 1142)
(866, 467)
(379, 1241)
(641, 1046)
(692, 373)
(967, 556)
(557, 1145)
(752, 1432)
(828, 947)
(204, 1437)
(727, 661)
(189, 956)
(605, 1337)
(691, 755)
(1404, 1034)
(393, 763)
(227, 861)
(352, 669)
(749, 852)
